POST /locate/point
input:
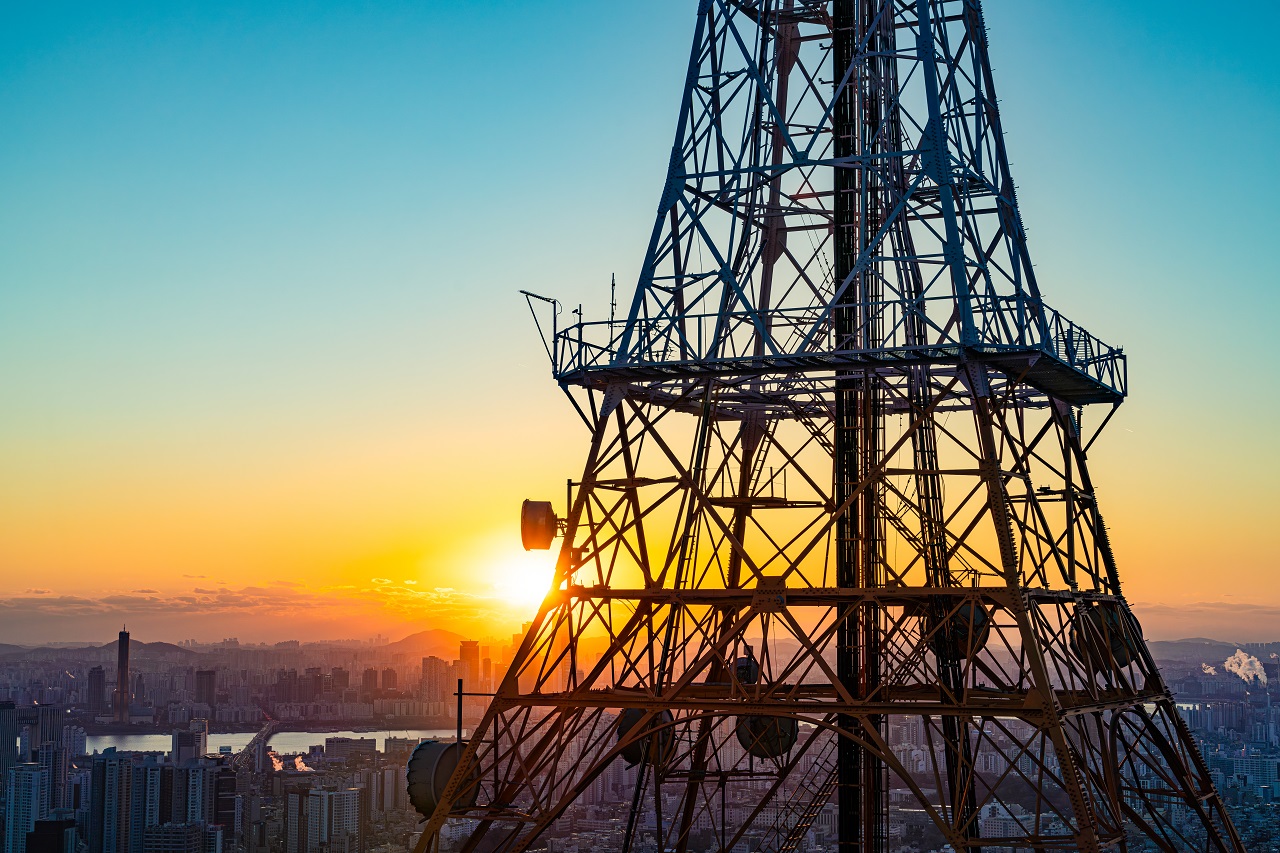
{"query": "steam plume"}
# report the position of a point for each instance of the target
(1208, 670)
(1246, 666)
(276, 763)
(299, 764)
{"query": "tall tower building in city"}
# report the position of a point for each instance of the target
(122, 678)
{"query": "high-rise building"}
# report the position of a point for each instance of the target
(95, 698)
(389, 679)
(24, 805)
(55, 835)
(110, 802)
(122, 697)
(206, 687)
(295, 820)
(369, 683)
(9, 728)
(334, 816)
(225, 811)
(339, 678)
(191, 742)
(43, 724)
(55, 763)
(75, 741)
(174, 838)
(469, 660)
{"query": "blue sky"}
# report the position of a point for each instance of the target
(240, 239)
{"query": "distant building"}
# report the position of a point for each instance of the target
(24, 806)
(95, 698)
(370, 681)
(389, 679)
(191, 742)
(346, 748)
(206, 687)
(75, 741)
(110, 803)
(122, 697)
(9, 729)
(469, 660)
(55, 764)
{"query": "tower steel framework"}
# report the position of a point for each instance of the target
(835, 559)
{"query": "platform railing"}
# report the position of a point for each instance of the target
(1001, 325)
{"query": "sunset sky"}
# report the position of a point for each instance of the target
(264, 371)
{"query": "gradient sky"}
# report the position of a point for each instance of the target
(264, 371)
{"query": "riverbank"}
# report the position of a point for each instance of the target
(357, 726)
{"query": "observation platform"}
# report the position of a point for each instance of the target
(1028, 341)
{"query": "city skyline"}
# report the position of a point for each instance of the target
(242, 391)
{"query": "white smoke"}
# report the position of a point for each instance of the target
(299, 764)
(276, 763)
(1246, 666)
(1208, 670)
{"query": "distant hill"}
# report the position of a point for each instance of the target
(106, 653)
(1195, 649)
(436, 641)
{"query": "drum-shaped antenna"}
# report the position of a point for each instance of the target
(428, 772)
(538, 525)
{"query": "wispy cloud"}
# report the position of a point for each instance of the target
(280, 610)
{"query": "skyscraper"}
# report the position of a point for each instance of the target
(389, 679)
(122, 678)
(24, 807)
(55, 763)
(369, 683)
(96, 691)
(469, 658)
(8, 741)
(110, 804)
(206, 686)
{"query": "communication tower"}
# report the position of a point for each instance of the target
(835, 561)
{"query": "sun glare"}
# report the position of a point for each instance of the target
(522, 580)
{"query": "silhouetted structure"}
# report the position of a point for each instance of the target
(836, 524)
(53, 836)
(96, 689)
(206, 687)
(122, 697)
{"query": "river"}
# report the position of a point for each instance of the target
(285, 743)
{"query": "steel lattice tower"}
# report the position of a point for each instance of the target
(835, 545)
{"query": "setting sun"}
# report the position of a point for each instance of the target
(522, 579)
